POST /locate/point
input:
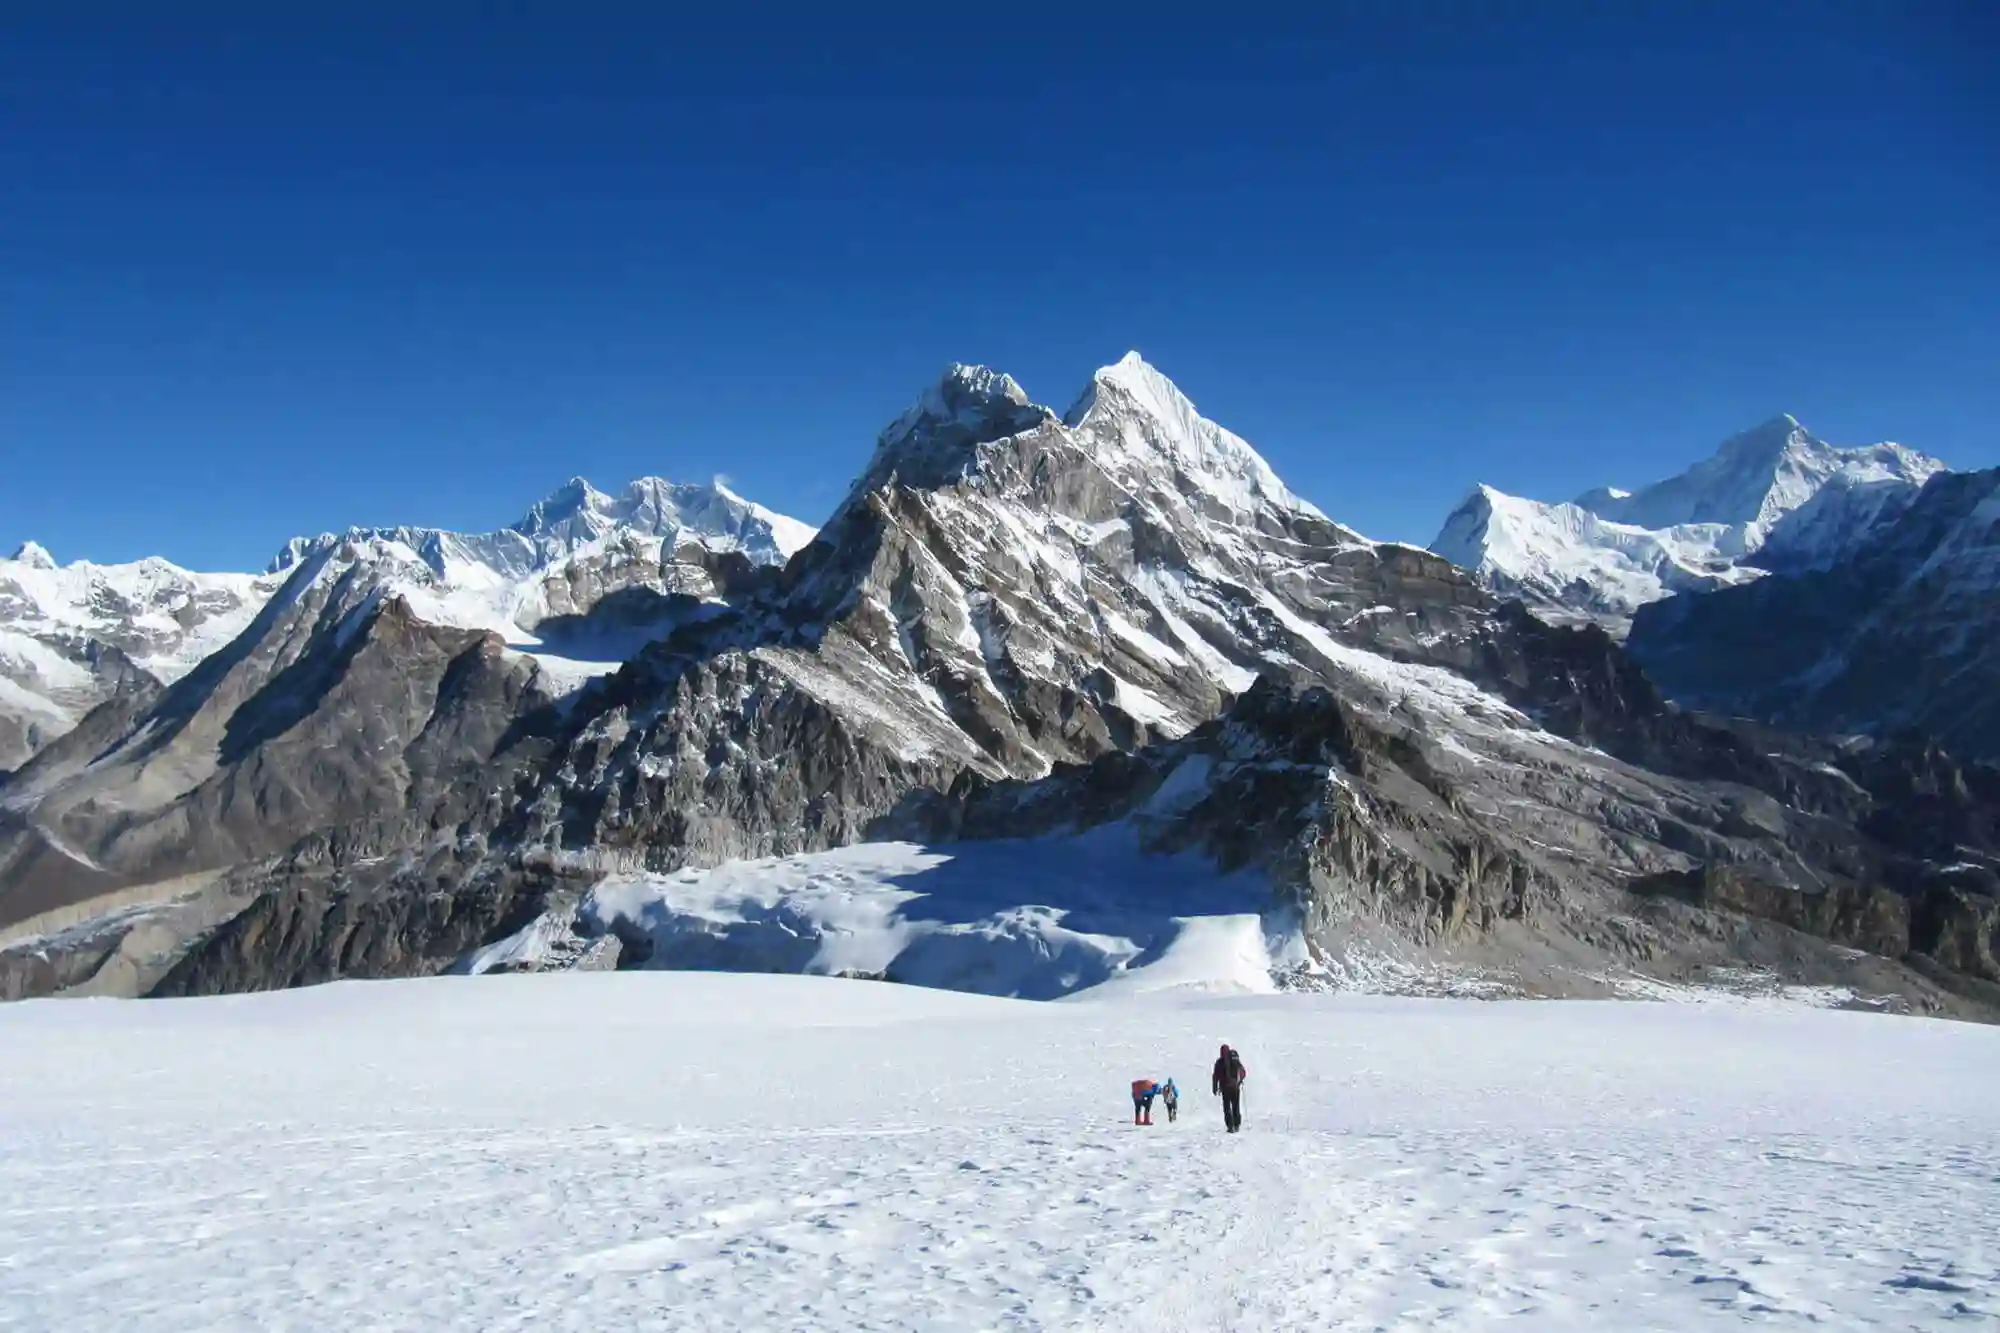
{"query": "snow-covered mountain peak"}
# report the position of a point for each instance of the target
(1138, 418)
(964, 396)
(787, 533)
(574, 505)
(1465, 527)
(73, 635)
(1757, 477)
(1131, 421)
(1141, 383)
(967, 405)
(35, 556)
(937, 438)
(650, 546)
(1772, 496)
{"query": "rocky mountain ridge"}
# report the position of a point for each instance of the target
(1017, 620)
(1902, 634)
(73, 637)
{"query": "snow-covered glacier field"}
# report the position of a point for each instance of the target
(699, 1151)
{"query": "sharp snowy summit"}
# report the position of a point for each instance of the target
(1771, 498)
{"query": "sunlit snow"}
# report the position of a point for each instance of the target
(689, 1151)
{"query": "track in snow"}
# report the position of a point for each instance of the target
(686, 1151)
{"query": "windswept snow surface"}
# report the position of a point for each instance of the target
(689, 1151)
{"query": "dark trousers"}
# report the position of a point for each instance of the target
(1232, 1108)
(1142, 1110)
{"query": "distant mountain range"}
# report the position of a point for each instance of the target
(1773, 498)
(1853, 591)
(404, 751)
(73, 636)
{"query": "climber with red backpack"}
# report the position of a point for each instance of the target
(1143, 1092)
(1227, 1084)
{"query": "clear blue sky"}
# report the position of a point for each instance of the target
(269, 275)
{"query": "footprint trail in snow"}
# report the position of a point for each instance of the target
(677, 1151)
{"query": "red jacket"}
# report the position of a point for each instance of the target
(1230, 1072)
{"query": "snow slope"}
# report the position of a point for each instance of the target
(1563, 557)
(1027, 918)
(1773, 497)
(686, 1151)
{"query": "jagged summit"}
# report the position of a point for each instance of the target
(34, 555)
(573, 499)
(937, 438)
(579, 512)
(1133, 421)
(1483, 495)
(577, 515)
(1903, 631)
(1139, 380)
(73, 636)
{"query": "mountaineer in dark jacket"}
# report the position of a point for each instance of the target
(1227, 1083)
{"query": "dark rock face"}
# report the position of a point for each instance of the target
(28, 974)
(1873, 919)
(1946, 924)
(1902, 634)
(317, 727)
(315, 926)
(1959, 927)
(1346, 809)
